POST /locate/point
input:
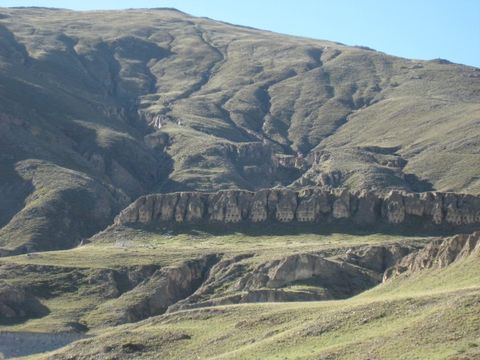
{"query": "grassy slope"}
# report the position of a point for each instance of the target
(129, 247)
(78, 89)
(430, 315)
(72, 276)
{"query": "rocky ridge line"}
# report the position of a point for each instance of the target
(428, 210)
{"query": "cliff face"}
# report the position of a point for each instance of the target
(16, 304)
(96, 111)
(297, 277)
(424, 210)
(156, 293)
(437, 254)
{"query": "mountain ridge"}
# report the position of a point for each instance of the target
(364, 210)
(162, 174)
(168, 102)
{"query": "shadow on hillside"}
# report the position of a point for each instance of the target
(296, 228)
(13, 192)
(416, 184)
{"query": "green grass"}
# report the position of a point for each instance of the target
(431, 314)
(69, 80)
(72, 295)
(231, 98)
(464, 274)
(130, 247)
(381, 324)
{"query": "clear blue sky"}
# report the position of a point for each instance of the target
(420, 29)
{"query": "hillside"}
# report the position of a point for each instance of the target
(97, 108)
(178, 187)
(423, 313)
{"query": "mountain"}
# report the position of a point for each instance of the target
(177, 187)
(98, 108)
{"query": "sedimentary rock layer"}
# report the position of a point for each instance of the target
(437, 254)
(429, 209)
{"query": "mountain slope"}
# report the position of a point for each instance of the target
(431, 313)
(97, 108)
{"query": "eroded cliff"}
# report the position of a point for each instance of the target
(429, 210)
(437, 254)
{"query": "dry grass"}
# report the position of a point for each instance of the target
(433, 315)
(78, 88)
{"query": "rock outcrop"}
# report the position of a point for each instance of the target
(153, 296)
(377, 258)
(21, 296)
(365, 209)
(16, 304)
(298, 277)
(339, 279)
(437, 254)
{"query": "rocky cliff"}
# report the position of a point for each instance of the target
(16, 304)
(155, 294)
(96, 111)
(427, 210)
(299, 277)
(437, 254)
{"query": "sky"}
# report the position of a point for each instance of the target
(418, 29)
